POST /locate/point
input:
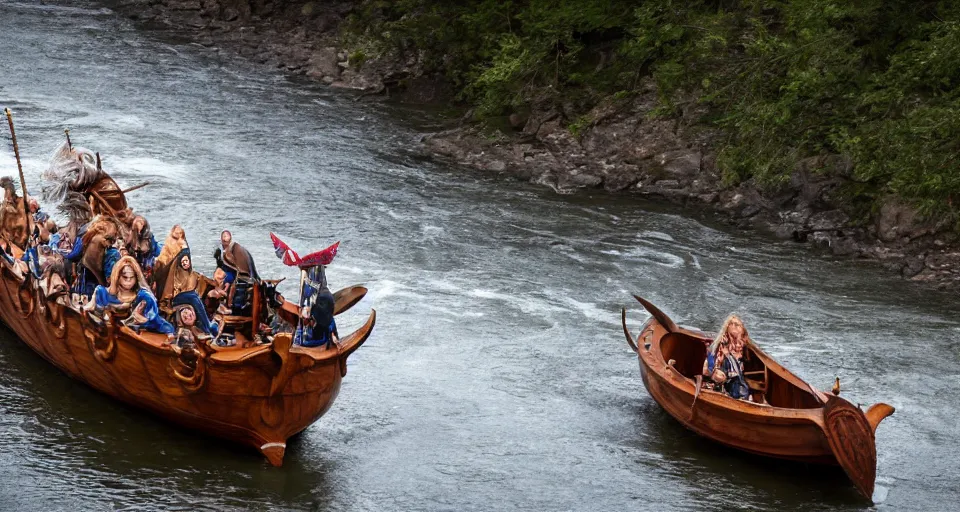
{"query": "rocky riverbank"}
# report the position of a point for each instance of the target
(618, 146)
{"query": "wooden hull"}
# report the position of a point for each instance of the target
(258, 396)
(786, 436)
(813, 427)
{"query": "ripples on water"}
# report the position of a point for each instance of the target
(497, 377)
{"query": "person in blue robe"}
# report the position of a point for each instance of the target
(145, 247)
(724, 363)
(317, 324)
(128, 288)
(180, 288)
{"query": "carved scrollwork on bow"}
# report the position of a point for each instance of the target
(190, 369)
(101, 336)
(57, 319)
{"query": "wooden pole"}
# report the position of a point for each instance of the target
(23, 181)
(131, 189)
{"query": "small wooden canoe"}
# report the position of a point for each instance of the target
(258, 396)
(797, 423)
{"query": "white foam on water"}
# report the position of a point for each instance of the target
(656, 235)
(880, 494)
(385, 288)
(792, 349)
(107, 120)
(575, 257)
(665, 259)
(452, 312)
(489, 294)
(441, 285)
(149, 166)
(526, 304)
(352, 270)
(590, 310)
(431, 231)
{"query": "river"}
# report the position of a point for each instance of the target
(497, 377)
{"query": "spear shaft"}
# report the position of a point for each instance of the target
(23, 181)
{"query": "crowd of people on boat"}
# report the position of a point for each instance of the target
(105, 261)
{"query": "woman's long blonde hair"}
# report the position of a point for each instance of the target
(723, 332)
(126, 261)
(172, 246)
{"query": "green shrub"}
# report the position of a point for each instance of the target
(877, 80)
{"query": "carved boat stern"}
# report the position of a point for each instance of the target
(850, 434)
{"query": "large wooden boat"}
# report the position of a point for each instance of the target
(797, 422)
(259, 396)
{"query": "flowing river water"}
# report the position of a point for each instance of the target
(497, 377)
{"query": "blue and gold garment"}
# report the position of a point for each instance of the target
(320, 327)
(154, 323)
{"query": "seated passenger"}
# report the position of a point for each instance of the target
(43, 224)
(317, 325)
(180, 288)
(724, 363)
(234, 259)
(176, 241)
(215, 296)
(188, 332)
(128, 288)
(145, 246)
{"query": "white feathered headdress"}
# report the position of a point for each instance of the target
(71, 169)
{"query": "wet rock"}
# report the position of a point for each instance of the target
(323, 63)
(620, 177)
(496, 166)
(750, 211)
(184, 5)
(519, 119)
(844, 246)
(895, 221)
(810, 183)
(943, 261)
(830, 220)
(681, 163)
(583, 180)
(913, 267)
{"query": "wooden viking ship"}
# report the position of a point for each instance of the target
(796, 422)
(259, 396)
(255, 393)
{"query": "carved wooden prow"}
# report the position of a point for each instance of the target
(288, 365)
(626, 330)
(877, 413)
(660, 316)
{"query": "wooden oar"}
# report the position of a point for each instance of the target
(696, 395)
(23, 182)
(131, 189)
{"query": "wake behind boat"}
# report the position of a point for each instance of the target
(229, 355)
(782, 416)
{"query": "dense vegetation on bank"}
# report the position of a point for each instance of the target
(875, 80)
